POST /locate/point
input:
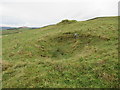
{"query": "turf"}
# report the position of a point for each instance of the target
(54, 57)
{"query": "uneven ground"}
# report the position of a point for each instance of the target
(53, 57)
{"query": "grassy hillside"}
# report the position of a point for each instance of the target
(15, 30)
(70, 54)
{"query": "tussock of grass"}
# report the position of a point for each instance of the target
(5, 65)
(66, 21)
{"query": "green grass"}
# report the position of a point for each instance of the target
(52, 57)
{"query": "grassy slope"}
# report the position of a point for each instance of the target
(13, 31)
(52, 57)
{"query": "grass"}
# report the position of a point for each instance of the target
(53, 57)
(13, 31)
